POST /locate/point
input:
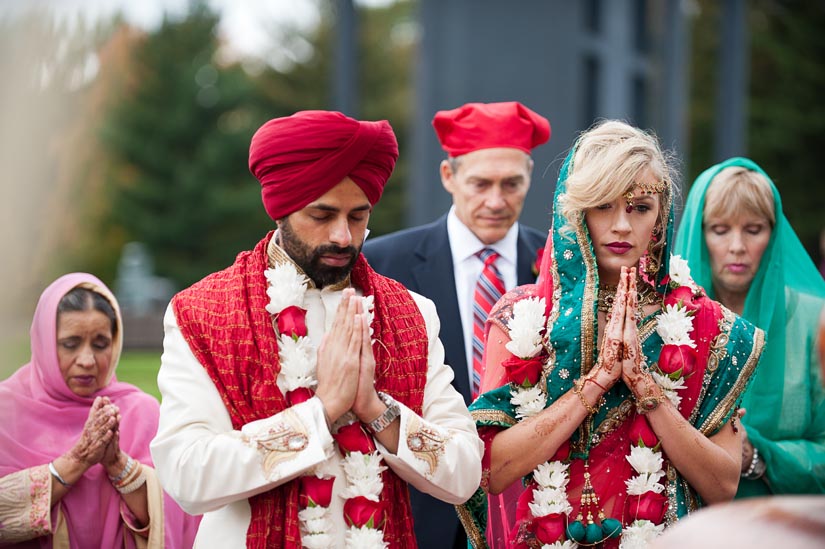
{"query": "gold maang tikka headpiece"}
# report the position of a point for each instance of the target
(657, 187)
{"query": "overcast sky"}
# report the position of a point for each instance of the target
(245, 24)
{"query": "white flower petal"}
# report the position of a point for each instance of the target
(645, 460)
(551, 474)
(312, 513)
(317, 541)
(286, 287)
(639, 534)
(525, 327)
(523, 396)
(645, 482)
(674, 326)
(566, 544)
(365, 538)
(679, 271)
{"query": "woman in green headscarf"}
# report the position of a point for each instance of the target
(611, 385)
(741, 248)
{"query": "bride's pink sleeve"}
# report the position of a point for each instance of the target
(494, 375)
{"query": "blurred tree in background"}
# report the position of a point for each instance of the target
(177, 137)
(786, 113)
(177, 143)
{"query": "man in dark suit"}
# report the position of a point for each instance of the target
(487, 172)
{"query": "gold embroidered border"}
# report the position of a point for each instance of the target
(714, 420)
(474, 534)
(492, 417)
(691, 502)
(40, 494)
(671, 489)
(615, 417)
(281, 442)
(587, 335)
(648, 328)
(718, 351)
(425, 443)
(550, 363)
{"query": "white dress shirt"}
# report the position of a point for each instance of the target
(210, 468)
(467, 267)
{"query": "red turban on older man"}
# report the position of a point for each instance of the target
(299, 158)
(475, 126)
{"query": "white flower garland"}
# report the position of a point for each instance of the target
(648, 463)
(286, 288)
(674, 326)
(525, 342)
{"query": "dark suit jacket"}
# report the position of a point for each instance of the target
(420, 258)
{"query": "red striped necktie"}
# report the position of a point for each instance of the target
(489, 288)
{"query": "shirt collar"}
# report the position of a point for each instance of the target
(464, 244)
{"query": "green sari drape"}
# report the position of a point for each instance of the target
(785, 404)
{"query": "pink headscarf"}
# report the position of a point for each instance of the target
(42, 419)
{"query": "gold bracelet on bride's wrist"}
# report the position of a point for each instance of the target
(648, 403)
(577, 388)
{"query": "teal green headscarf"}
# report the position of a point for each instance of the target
(786, 280)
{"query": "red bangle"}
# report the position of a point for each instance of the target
(596, 383)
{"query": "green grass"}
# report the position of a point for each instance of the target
(140, 368)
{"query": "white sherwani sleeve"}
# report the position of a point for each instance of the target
(201, 460)
(439, 452)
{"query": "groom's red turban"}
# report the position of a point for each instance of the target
(299, 158)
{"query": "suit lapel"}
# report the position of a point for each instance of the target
(525, 257)
(433, 273)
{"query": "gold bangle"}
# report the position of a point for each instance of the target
(577, 388)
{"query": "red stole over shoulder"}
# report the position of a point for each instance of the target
(224, 320)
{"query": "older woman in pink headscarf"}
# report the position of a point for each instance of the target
(75, 468)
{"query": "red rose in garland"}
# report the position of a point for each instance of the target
(549, 528)
(292, 321)
(648, 506)
(299, 395)
(360, 511)
(685, 295)
(353, 438)
(674, 358)
(523, 372)
(315, 491)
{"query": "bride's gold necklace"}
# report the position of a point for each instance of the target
(646, 295)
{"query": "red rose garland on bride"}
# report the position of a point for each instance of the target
(364, 512)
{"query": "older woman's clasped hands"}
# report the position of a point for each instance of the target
(98, 442)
